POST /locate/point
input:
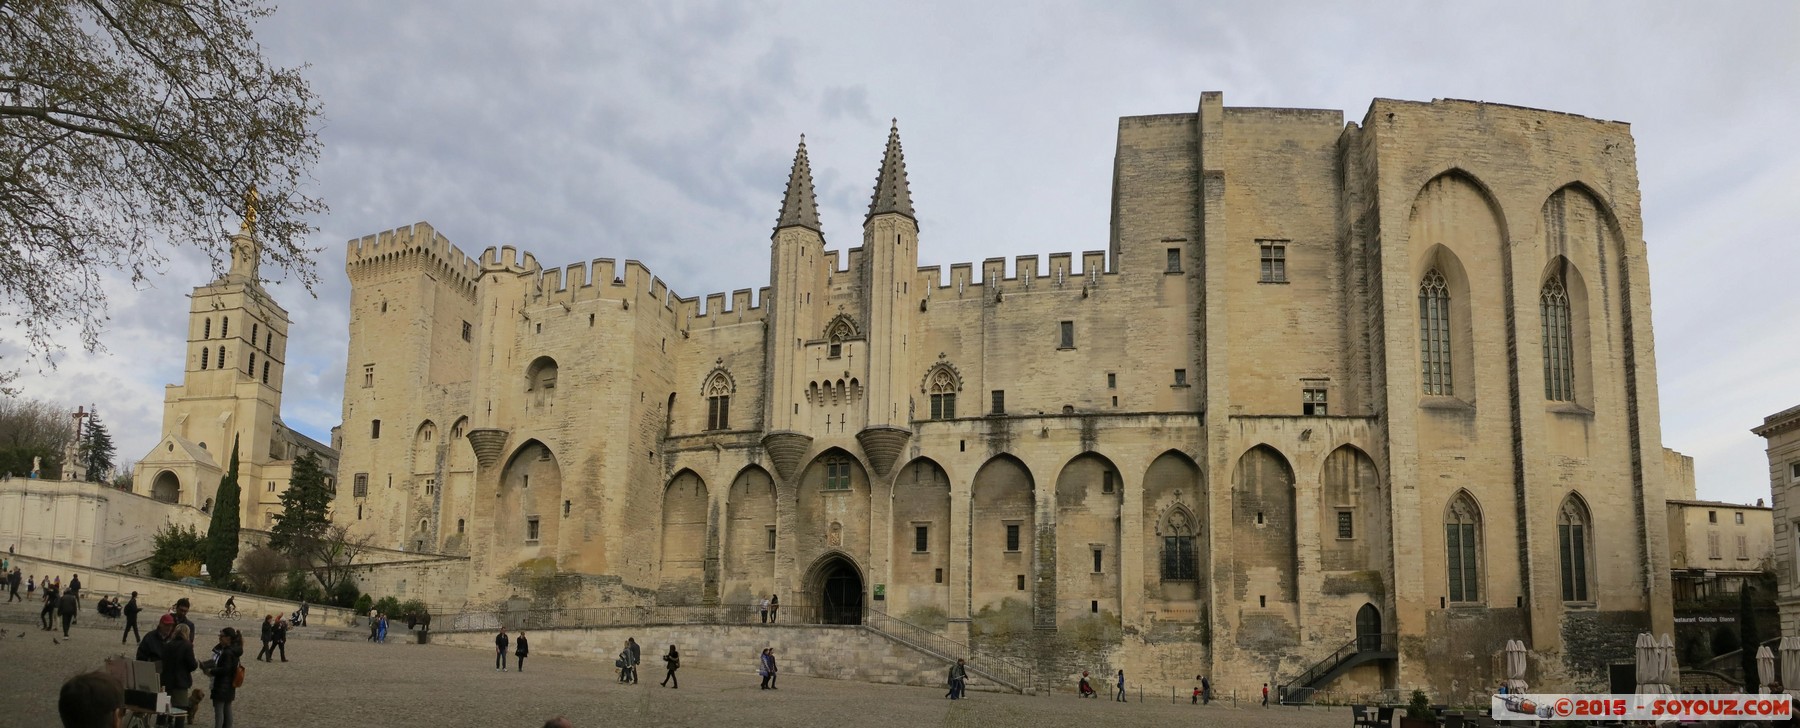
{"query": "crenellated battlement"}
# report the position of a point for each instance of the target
(1027, 273)
(418, 242)
(603, 278)
(508, 258)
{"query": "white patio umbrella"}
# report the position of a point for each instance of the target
(1649, 665)
(1671, 672)
(1790, 664)
(1765, 668)
(1515, 666)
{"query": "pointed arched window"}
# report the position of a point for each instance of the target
(1462, 548)
(718, 391)
(1434, 334)
(1572, 545)
(942, 383)
(1559, 345)
(1180, 560)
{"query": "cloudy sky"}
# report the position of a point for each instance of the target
(662, 131)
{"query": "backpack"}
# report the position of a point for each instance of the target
(237, 680)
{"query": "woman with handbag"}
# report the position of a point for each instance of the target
(227, 660)
(672, 662)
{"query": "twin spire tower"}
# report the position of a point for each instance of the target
(849, 326)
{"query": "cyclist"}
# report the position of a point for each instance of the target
(231, 606)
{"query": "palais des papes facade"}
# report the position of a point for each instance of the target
(1389, 379)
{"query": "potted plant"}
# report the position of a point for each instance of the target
(1418, 711)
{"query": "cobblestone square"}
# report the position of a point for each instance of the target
(333, 683)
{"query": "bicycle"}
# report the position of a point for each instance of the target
(228, 613)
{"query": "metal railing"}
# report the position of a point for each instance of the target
(1016, 674)
(1357, 645)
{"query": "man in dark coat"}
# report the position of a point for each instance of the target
(45, 615)
(12, 586)
(521, 650)
(66, 607)
(150, 649)
(267, 653)
(280, 643)
(131, 614)
(500, 643)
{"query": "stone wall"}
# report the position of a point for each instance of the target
(838, 653)
(157, 596)
(89, 524)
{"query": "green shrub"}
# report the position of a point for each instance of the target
(1419, 707)
(364, 603)
(346, 594)
(388, 606)
(410, 606)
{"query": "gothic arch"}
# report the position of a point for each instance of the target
(1175, 560)
(841, 328)
(750, 518)
(1089, 497)
(1004, 527)
(1575, 548)
(920, 512)
(461, 455)
(1353, 531)
(836, 585)
(717, 382)
(1263, 498)
(1465, 562)
(684, 539)
(529, 492)
(540, 380)
(425, 446)
(941, 378)
(833, 505)
(166, 487)
(1463, 177)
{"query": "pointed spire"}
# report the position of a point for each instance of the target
(891, 192)
(799, 208)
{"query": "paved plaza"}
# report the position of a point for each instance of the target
(335, 684)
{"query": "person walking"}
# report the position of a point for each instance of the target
(774, 607)
(374, 624)
(46, 616)
(12, 586)
(1265, 702)
(671, 663)
(959, 676)
(280, 640)
(381, 627)
(178, 667)
(765, 611)
(765, 666)
(66, 607)
(305, 608)
(30, 587)
(1121, 696)
(521, 650)
(267, 653)
(774, 670)
(1205, 690)
(631, 664)
(74, 590)
(226, 657)
(500, 643)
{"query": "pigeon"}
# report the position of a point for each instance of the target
(55, 641)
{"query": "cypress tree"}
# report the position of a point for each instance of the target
(222, 535)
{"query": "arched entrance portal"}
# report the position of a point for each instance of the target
(837, 586)
(166, 487)
(1368, 628)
